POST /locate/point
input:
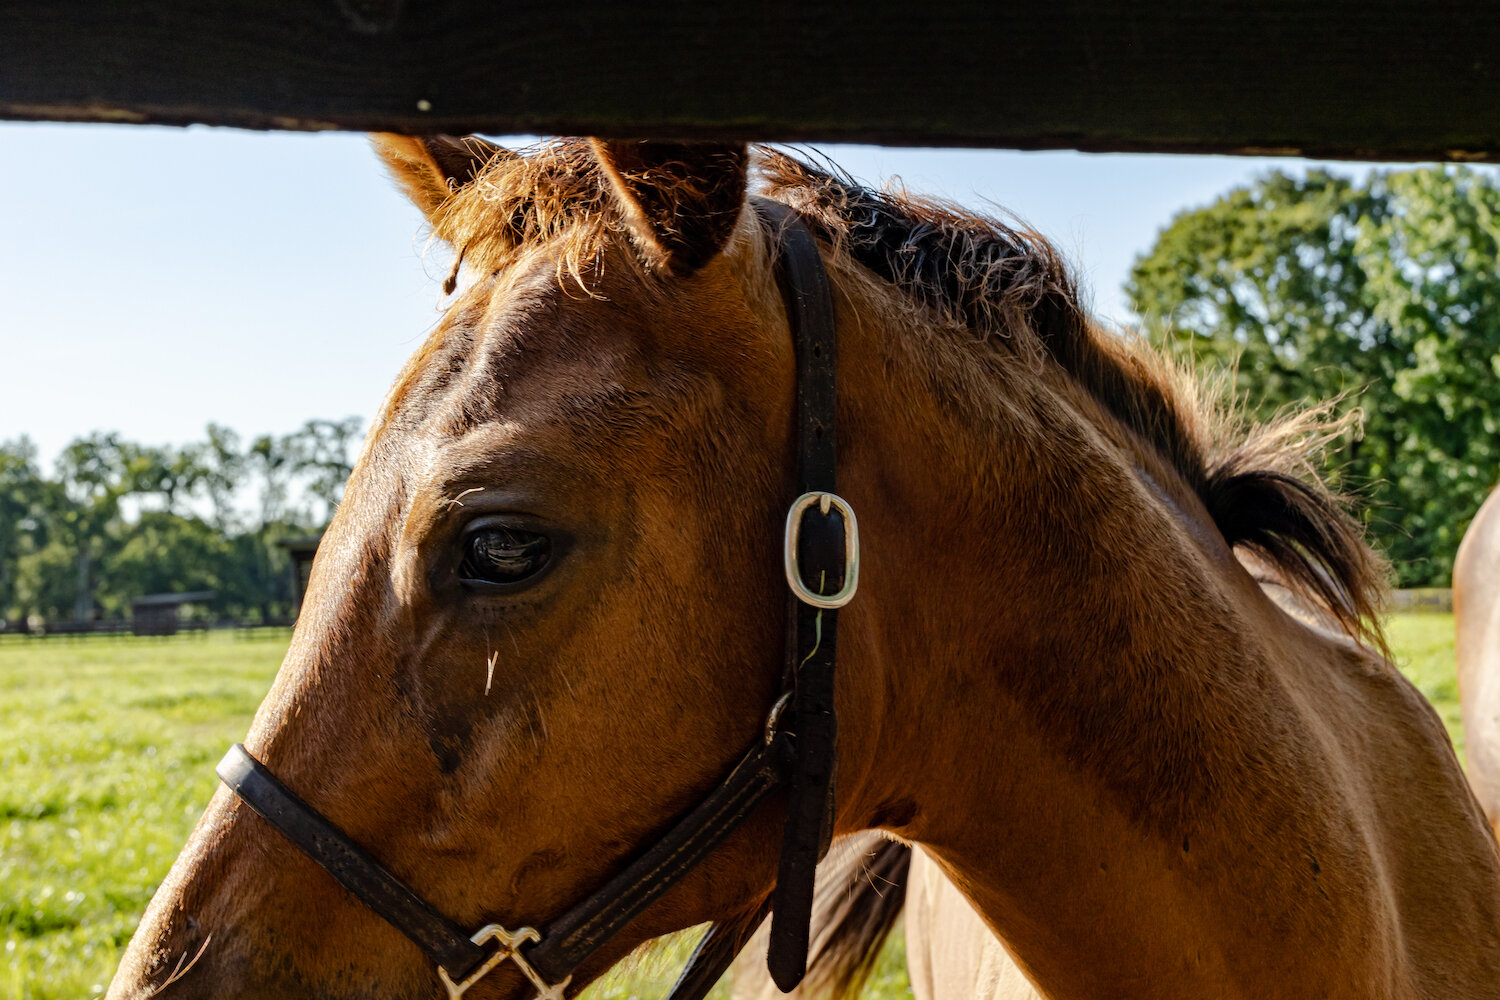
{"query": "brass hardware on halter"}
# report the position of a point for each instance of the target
(825, 501)
(510, 947)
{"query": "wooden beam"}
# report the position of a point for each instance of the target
(1369, 79)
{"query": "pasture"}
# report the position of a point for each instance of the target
(107, 746)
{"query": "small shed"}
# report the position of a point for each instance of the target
(157, 614)
(301, 551)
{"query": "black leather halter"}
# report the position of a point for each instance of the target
(821, 556)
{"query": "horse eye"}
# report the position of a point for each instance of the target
(503, 555)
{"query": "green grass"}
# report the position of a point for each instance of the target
(107, 746)
(1423, 647)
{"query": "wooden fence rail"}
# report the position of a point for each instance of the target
(1369, 79)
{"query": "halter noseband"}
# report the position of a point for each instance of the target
(798, 749)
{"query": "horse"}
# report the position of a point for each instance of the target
(1476, 620)
(548, 617)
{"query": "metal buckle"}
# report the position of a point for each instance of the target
(825, 501)
(510, 947)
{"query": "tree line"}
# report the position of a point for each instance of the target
(117, 520)
(1383, 290)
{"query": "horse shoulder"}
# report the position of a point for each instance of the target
(1404, 786)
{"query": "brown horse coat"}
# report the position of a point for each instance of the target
(1056, 678)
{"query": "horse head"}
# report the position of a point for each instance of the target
(549, 612)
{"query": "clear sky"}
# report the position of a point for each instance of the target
(154, 279)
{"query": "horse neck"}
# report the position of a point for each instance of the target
(1052, 657)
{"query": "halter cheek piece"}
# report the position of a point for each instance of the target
(821, 557)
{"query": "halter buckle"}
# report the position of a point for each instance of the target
(510, 947)
(825, 502)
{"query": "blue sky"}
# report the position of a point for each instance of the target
(154, 279)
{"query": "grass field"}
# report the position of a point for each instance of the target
(107, 748)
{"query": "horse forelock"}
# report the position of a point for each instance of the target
(554, 196)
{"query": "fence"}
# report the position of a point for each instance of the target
(1434, 599)
(1437, 600)
(123, 627)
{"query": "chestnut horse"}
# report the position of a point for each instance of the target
(548, 617)
(1476, 619)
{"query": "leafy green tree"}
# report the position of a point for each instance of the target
(121, 519)
(163, 552)
(96, 474)
(223, 466)
(46, 581)
(23, 522)
(323, 450)
(173, 474)
(274, 460)
(257, 578)
(1386, 290)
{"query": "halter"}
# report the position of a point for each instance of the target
(797, 749)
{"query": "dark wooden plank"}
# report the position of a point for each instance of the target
(1346, 78)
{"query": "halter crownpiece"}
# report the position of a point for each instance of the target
(821, 560)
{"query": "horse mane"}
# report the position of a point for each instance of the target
(861, 893)
(854, 912)
(1010, 286)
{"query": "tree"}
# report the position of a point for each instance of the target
(223, 468)
(322, 449)
(95, 474)
(274, 460)
(163, 552)
(1386, 290)
(170, 473)
(23, 523)
(121, 519)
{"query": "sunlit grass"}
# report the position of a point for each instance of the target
(107, 748)
(1423, 647)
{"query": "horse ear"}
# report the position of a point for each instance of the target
(681, 199)
(430, 168)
